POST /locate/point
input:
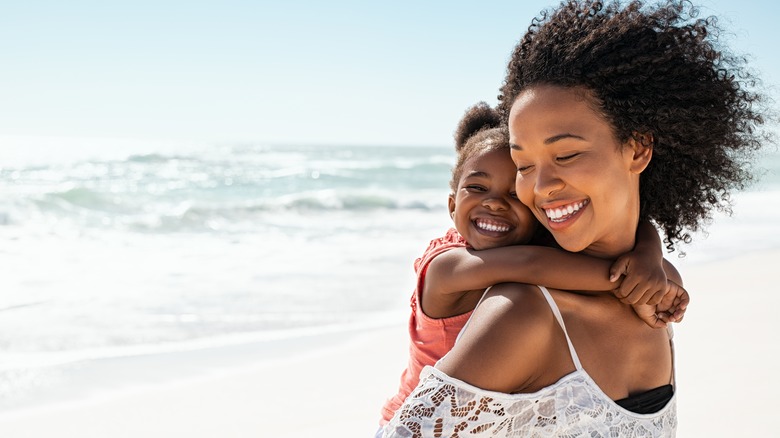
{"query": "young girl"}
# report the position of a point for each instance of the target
(482, 250)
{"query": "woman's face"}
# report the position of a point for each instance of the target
(573, 173)
(485, 208)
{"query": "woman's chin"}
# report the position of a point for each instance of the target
(570, 242)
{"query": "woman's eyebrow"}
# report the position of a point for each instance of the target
(559, 137)
(550, 140)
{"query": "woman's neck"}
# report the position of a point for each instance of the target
(614, 245)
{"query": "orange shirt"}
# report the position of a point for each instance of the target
(431, 338)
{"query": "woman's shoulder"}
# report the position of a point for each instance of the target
(595, 311)
(519, 304)
(512, 324)
(618, 350)
(515, 309)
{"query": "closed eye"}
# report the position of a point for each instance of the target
(475, 188)
(567, 157)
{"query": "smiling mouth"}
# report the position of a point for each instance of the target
(492, 226)
(564, 212)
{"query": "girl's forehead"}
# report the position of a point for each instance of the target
(494, 163)
(487, 156)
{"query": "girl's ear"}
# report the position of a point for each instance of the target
(642, 151)
(451, 205)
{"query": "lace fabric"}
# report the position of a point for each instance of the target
(575, 406)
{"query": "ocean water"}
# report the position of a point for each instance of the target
(111, 255)
(113, 252)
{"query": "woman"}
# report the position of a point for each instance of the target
(616, 114)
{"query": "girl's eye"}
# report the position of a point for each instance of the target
(513, 195)
(475, 188)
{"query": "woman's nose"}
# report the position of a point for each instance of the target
(548, 182)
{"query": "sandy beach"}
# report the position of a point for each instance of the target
(335, 386)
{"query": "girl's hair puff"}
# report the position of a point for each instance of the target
(479, 131)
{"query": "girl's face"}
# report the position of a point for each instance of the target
(485, 207)
(573, 173)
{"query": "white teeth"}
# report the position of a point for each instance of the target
(492, 227)
(557, 213)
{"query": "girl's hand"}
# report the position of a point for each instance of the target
(671, 308)
(645, 279)
(674, 303)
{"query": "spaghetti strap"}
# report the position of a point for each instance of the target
(670, 332)
(557, 313)
(463, 330)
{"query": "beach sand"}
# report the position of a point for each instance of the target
(726, 350)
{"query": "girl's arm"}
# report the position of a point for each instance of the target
(672, 306)
(643, 269)
(453, 274)
(651, 284)
(455, 279)
(461, 270)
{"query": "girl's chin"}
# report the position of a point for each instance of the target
(483, 243)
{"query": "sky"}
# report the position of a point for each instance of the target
(293, 72)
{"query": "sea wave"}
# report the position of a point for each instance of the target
(75, 198)
(224, 188)
(201, 210)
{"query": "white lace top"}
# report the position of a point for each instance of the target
(574, 406)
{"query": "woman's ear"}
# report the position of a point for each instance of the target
(451, 206)
(642, 151)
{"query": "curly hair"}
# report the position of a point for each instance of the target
(654, 72)
(480, 130)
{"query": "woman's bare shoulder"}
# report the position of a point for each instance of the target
(508, 336)
(619, 351)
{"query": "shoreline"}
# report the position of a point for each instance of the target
(251, 400)
(334, 385)
(92, 377)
